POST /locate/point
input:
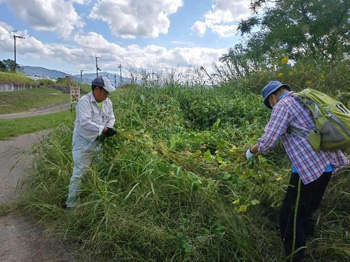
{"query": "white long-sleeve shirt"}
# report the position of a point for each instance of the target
(91, 119)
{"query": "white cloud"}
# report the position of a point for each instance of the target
(238, 9)
(225, 30)
(6, 27)
(6, 40)
(223, 18)
(28, 46)
(82, 56)
(183, 43)
(81, 2)
(193, 56)
(199, 28)
(48, 15)
(135, 18)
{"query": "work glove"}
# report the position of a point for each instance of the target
(249, 154)
(110, 132)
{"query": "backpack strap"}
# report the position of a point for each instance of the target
(335, 119)
(308, 102)
(315, 115)
(297, 131)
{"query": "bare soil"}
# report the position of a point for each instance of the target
(21, 238)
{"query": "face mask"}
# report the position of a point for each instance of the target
(273, 100)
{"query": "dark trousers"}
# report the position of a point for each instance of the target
(310, 197)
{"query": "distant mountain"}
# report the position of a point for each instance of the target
(87, 78)
(41, 71)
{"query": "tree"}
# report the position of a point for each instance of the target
(67, 80)
(2, 67)
(299, 28)
(9, 65)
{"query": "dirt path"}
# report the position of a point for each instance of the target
(38, 111)
(21, 239)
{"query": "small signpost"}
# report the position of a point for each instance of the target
(74, 96)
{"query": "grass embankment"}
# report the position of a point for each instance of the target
(20, 126)
(40, 96)
(174, 185)
(24, 100)
(16, 78)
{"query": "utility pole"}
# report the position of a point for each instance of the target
(115, 80)
(14, 48)
(97, 68)
(81, 76)
(120, 74)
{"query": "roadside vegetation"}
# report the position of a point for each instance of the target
(10, 77)
(174, 184)
(19, 126)
(25, 100)
(42, 94)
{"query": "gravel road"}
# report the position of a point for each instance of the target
(21, 238)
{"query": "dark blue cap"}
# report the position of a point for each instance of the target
(270, 88)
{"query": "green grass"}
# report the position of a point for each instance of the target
(40, 96)
(6, 209)
(15, 78)
(20, 126)
(173, 184)
(84, 88)
(158, 195)
(24, 100)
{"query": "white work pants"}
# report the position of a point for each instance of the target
(83, 153)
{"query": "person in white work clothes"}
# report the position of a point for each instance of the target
(94, 118)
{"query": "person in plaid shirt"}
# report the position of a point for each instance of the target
(311, 170)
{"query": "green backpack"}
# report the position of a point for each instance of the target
(332, 121)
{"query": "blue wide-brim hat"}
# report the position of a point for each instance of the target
(270, 88)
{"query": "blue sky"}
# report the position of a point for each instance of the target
(66, 35)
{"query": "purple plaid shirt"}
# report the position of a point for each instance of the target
(309, 163)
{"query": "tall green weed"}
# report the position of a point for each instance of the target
(174, 184)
